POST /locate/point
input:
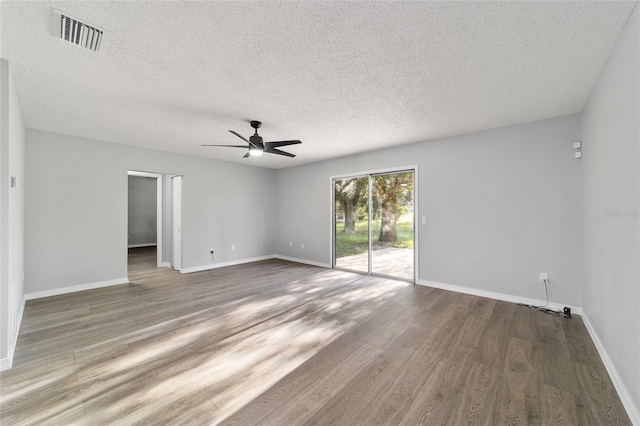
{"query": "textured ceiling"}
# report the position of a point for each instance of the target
(344, 77)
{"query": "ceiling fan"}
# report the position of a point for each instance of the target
(257, 146)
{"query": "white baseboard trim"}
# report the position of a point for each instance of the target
(142, 245)
(7, 363)
(166, 264)
(223, 264)
(499, 296)
(74, 288)
(253, 259)
(297, 260)
(623, 393)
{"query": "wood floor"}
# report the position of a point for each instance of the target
(279, 343)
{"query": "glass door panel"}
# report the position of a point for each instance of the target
(351, 223)
(392, 224)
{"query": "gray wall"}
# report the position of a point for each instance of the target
(501, 205)
(611, 201)
(142, 211)
(12, 204)
(77, 228)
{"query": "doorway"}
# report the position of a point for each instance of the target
(374, 223)
(156, 238)
(144, 208)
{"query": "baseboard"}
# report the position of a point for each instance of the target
(297, 260)
(499, 296)
(166, 264)
(7, 363)
(142, 245)
(623, 393)
(223, 264)
(73, 289)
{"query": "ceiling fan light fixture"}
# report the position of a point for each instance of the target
(256, 145)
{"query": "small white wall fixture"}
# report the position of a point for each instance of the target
(159, 198)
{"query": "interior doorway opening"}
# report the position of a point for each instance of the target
(374, 229)
(154, 226)
(144, 212)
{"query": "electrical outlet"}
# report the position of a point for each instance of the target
(577, 145)
(302, 246)
(233, 248)
(544, 276)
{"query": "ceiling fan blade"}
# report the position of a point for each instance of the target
(277, 151)
(229, 146)
(281, 143)
(243, 138)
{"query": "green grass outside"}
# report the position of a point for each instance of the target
(350, 244)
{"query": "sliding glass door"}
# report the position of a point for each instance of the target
(392, 227)
(374, 224)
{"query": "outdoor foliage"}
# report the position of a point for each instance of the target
(349, 195)
(392, 204)
(356, 243)
(393, 190)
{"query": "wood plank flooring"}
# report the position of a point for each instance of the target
(280, 343)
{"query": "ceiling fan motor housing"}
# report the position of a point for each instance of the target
(256, 139)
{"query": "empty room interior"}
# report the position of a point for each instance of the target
(348, 213)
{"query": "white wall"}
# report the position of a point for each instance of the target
(12, 219)
(611, 203)
(77, 228)
(502, 206)
(142, 211)
(167, 234)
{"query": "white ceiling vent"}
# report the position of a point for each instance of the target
(77, 32)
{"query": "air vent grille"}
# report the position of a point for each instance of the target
(77, 32)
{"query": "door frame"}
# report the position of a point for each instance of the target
(159, 204)
(416, 204)
(176, 222)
